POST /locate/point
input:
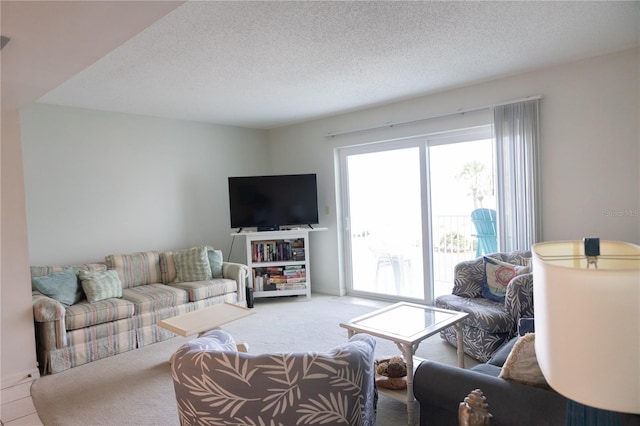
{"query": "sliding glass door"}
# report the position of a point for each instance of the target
(407, 212)
(461, 182)
(384, 195)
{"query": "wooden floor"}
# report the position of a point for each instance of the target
(17, 406)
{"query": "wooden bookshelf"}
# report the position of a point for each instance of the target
(279, 262)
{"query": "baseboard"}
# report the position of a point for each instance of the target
(331, 291)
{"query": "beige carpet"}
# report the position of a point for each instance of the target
(135, 388)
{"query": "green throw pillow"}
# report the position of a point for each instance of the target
(61, 286)
(215, 261)
(100, 285)
(192, 265)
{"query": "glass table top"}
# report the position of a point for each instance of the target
(407, 320)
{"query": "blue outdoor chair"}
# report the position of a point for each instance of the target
(484, 221)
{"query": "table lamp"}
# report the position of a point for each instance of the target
(587, 314)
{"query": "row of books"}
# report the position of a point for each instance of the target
(279, 278)
(278, 251)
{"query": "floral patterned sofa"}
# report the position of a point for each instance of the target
(493, 318)
(216, 384)
(90, 311)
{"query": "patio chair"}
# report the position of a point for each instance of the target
(484, 221)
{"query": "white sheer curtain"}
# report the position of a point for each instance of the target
(517, 138)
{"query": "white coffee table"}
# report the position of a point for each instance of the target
(408, 324)
(205, 319)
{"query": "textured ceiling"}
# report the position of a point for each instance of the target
(269, 64)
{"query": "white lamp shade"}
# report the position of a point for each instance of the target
(588, 322)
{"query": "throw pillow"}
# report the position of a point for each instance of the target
(192, 265)
(100, 285)
(497, 275)
(135, 269)
(215, 261)
(522, 365)
(61, 286)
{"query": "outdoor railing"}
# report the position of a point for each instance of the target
(452, 243)
(378, 266)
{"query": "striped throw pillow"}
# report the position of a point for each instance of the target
(100, 285)
(136, 268)
(192, 265)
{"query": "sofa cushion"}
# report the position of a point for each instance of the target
(153, 297)
(200, 290)
(488, 369)
(135, 269)
(39, 271)
(497, 275)
(192, 264)
(108, 338)
(485, 314)
(85, 314)
(61, 286)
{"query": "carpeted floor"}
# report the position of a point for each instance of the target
(135, 388)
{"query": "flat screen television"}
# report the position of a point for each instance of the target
(269, 202)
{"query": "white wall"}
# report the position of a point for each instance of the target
(590, 149)
(17, 343)
(98, 183)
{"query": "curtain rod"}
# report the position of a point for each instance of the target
(461, 111)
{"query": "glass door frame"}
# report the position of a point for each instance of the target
(344, 214)
(422, 142)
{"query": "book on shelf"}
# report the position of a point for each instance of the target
(293, 267)
(294, 280)
(258, 282)
(293, 286)
(277, 250)
(296, 270)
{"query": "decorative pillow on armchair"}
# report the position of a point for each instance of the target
(497, 275)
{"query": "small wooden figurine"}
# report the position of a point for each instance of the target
(474, 411)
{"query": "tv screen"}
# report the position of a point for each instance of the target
(268, 202)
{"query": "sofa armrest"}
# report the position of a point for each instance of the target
(240, 273)
(49, 315)
(440, 388)
(518, 300)
(46, 309)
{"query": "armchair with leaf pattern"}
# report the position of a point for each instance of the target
(490, 323)
(217, 385)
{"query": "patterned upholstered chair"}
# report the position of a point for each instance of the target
(490, 322)
(215, 384)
